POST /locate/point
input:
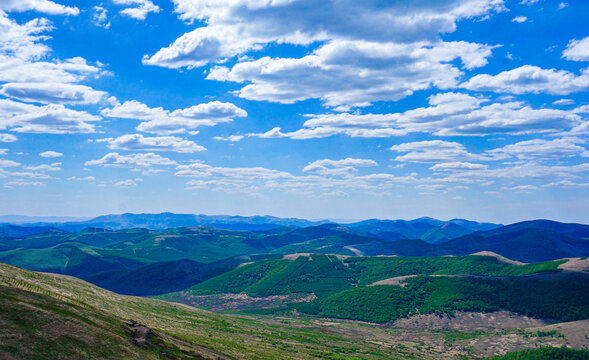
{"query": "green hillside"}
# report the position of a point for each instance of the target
(566, 301)
(319, 274)
(327, 274)
(548, 353)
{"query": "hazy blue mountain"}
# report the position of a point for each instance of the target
(15, 231)
(408, 229)
(523, 244)
(475, 226)
(164, 277)
(170, 220)
(447, 231)
(570, 229)
(22, 219)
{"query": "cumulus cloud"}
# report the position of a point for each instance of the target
(50, 93)
(100, 17)
(566, 184)
(138, 142)
(50, 154)
(457, 165)
(48, 119)
(528, 170)
(542, 149)
(131, 161)
(160, 121)
(386, 51)
(44, 167)
(337, 167)
(127, 183)
(448, 114)
(199, 169)
(43, 6)
(577, 50)
(6, 138)
(520, 19)
(13, 183)
(8, 163)
(236, 27)
(531, 79)
(386, 71)
(232, 138)
(563, 102)
(140, 10)
(25, 58)
(85, 178)
(435, 151)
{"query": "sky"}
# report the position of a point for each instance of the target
(337, 109)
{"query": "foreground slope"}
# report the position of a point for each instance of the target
(41, 310)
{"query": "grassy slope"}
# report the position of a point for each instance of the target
(66, 297)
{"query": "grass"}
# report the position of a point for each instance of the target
(74, 301)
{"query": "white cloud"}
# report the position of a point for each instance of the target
(131, 161)
(436, 151)
(521, 188)
(232, 138)
(143, 7)
(199, 169)
(160, 121)
(542, 149)
(563, 102)
(566, 184)
(69, 70)
(338, 167)
(45, 167)
(24, 57)
(457, 165)
(8, 163)
(577, 50)
(236, 27)
(138, 142)
(43, 6)
(23, 183)
(48, 119)
(50, 93)
(85, 178)
(6, 138)
(100, 17)
(529, 170)
(519, 19)
(3, 151)
(531, 79)
(562, 5)
(448, 114)
(386, 51)
(379, 71)
(50, 154)
(127, 183)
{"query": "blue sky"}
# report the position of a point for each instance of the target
(335, 109)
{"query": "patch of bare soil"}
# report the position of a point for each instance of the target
(575, 264)
(499, 257)
(397, 280)
(223, 302)
(354, 250)
(470, 321)
(296, 256)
